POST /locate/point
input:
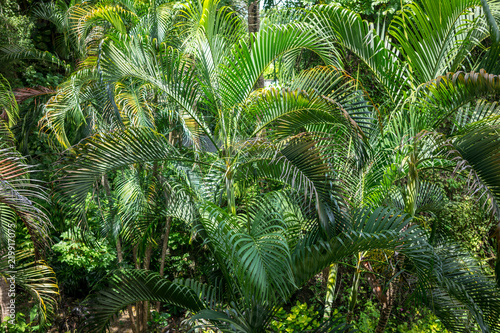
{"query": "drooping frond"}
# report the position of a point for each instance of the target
(479, 152)
(381, 228)
(435, 37)
(369, 42)
(130, 286)
(33, 276)
(105, 152)
(448, 95)
(82, 101)
(18, 195)
(460, 290)
(23, 94)
(15, 53)
(8, 103)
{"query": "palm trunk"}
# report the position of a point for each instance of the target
(374, 283)
(411, 196)
(138, 305)
(330, 290)
(119, 251)
(164, 251)
(253, 27)
(386, 312)
(130, 310)
(145, 304)
(353, 299)
(231, 200)
(4, 297)
(387, 306)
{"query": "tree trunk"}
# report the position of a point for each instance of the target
(253, 27)
(138, 305)
(4, 297)
(119, 251)
(145, 304)
(389, 301)
(130, 310)
(353, 299)
(331, 283)
(164, 251)
(386, 308)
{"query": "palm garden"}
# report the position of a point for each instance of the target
(152, 182)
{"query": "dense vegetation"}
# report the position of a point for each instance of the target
(225, 166)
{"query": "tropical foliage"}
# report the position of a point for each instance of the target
(173, 179)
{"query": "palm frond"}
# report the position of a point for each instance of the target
(15, 53)
(479, 152)
(17, 195)
(173, 76)
(23, 94)
(247, 65)
(35, 277)
(381, 228)
(460, 293)
(368, 41)
(448, 95)
(131, 286)
(105, 152)
(437, 41)
(8, 103)
(81, 100)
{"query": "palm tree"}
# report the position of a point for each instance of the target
(317, 129)
(420, 100)
(263, 255)
(18, 196)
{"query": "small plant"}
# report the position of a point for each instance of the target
(20, 325)
(300, 318)
(81, 264)
(159, 320)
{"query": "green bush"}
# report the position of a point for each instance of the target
(158, 321)
(21, 325)
(422, 321)
(299, 319)
(80, 264)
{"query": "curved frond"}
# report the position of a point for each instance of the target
(247, 64)
(14, 53)
(35, 277)
(368, 41)
(131, 286)
(105, 152)
(8, 103)
(436, 37)
(448, 95)
(479, 151)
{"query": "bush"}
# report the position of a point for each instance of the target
(422, 321)
(79, 264)
(299, 319)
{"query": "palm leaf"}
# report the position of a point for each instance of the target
(36, 278)
(367, 41)
(436, 41)
(247, 65)
(480, 150)
(8, 103)
(105, 152)
(131, 286)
